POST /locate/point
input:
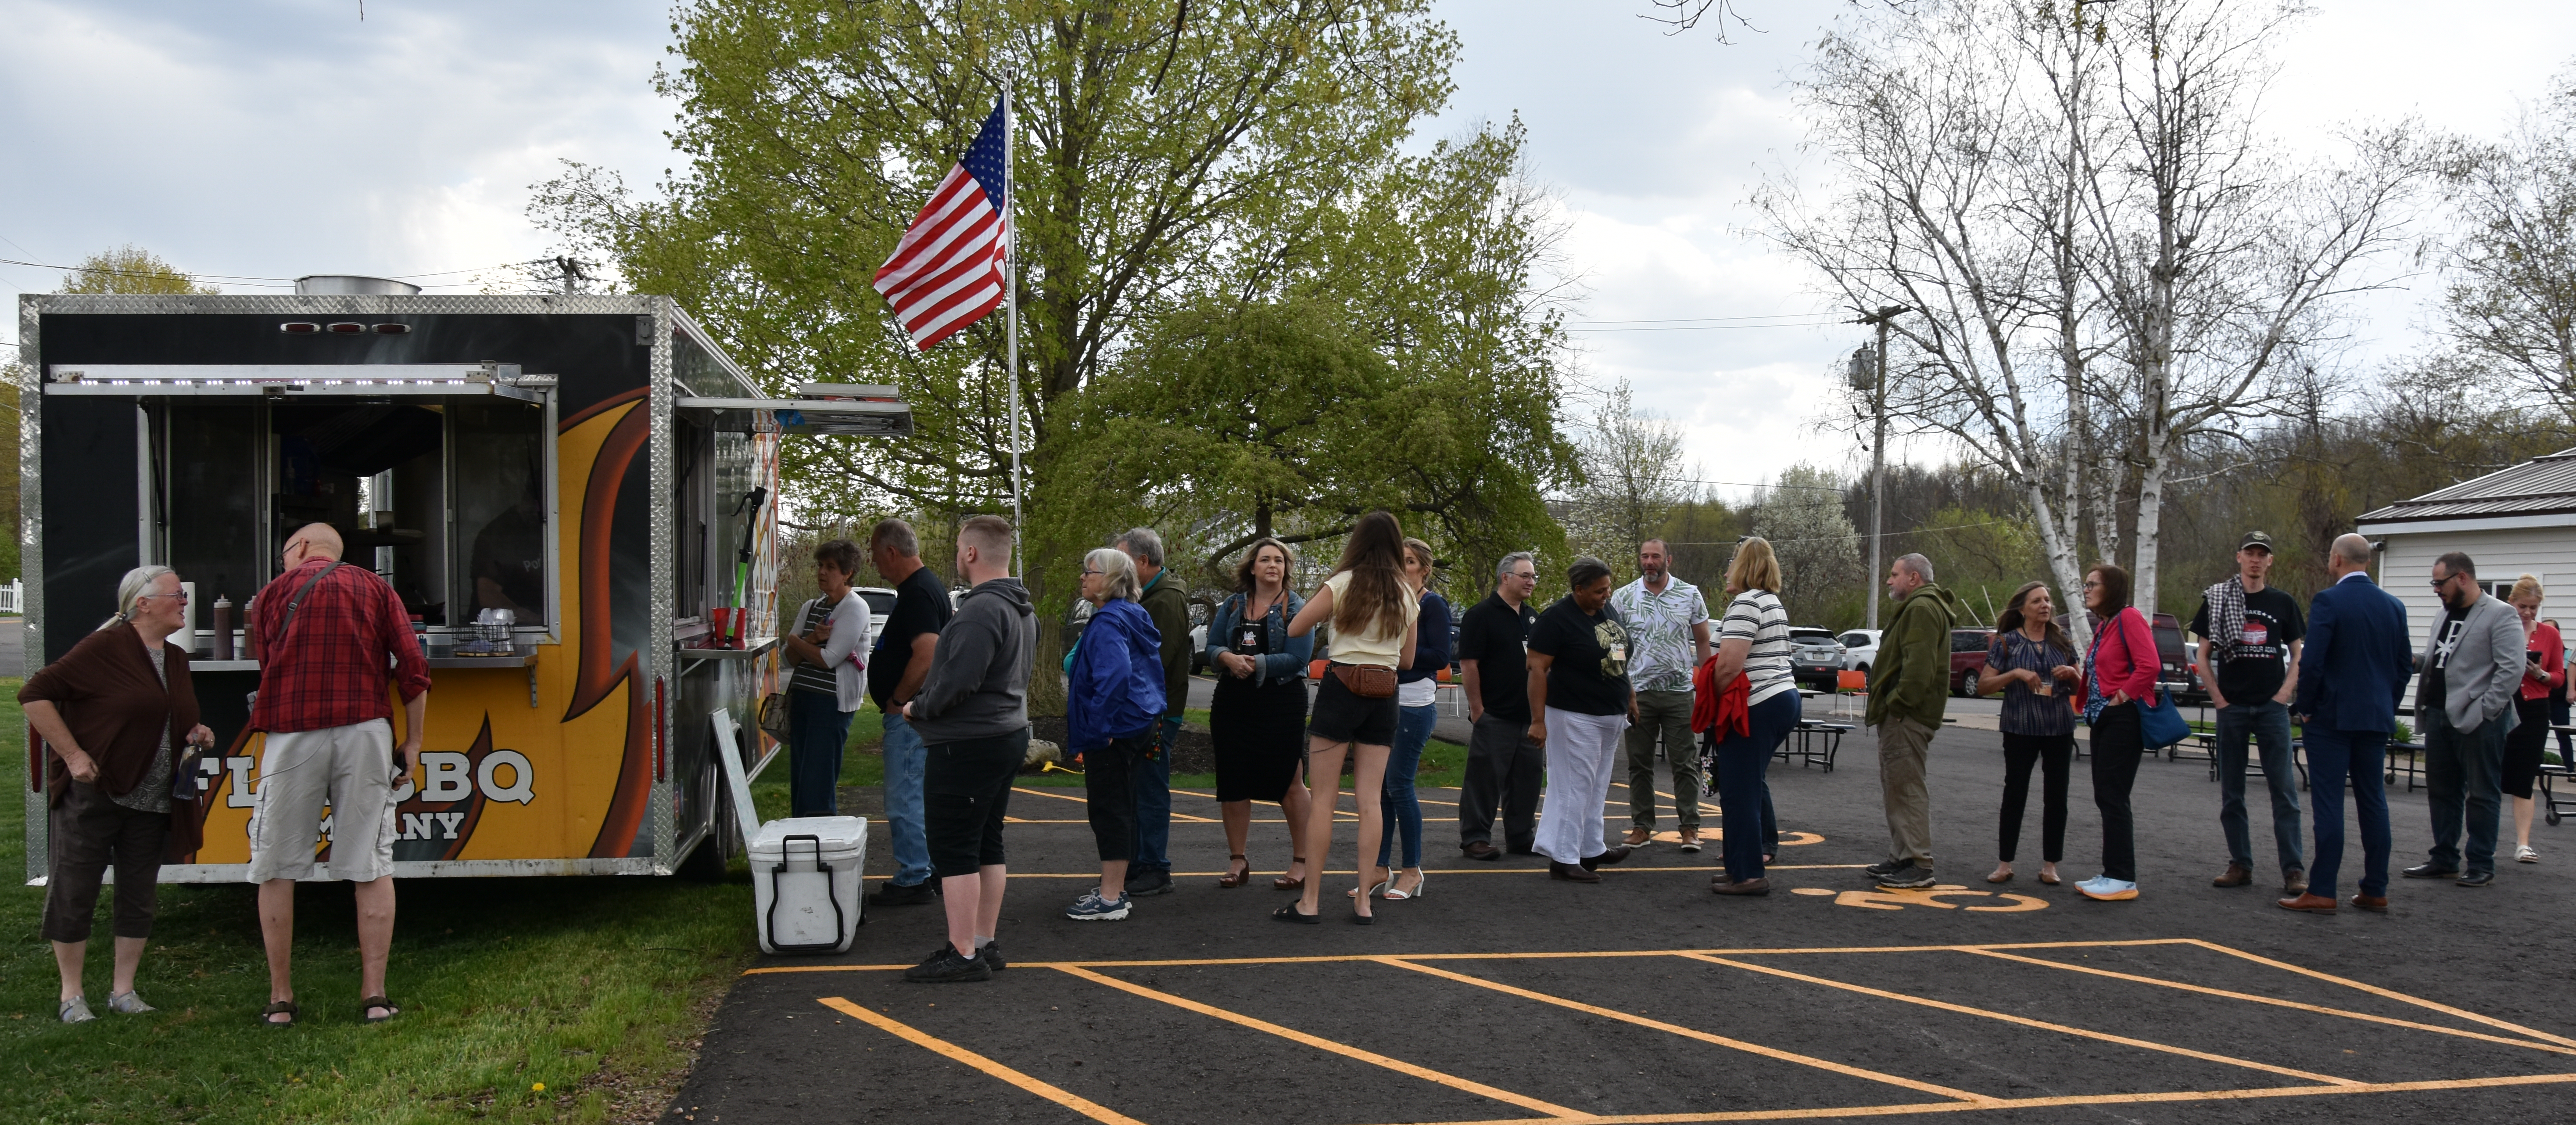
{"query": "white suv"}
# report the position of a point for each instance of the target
(1860, 647)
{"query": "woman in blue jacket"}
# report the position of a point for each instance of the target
(1113, 701)
(1257, 717)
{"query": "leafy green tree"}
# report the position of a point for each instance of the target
(1154, 143)
(131, 269)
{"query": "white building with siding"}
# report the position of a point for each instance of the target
(2511, 522)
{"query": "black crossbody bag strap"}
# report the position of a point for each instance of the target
(297, 602)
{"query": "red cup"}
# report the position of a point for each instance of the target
(721, 619)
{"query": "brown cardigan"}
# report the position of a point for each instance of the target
(115, 707)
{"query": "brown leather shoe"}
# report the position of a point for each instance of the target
(1743, 887)
(1480, 850)
(2294, 882)
(1639, 837)
(2376, 904)
(2318, 904)
(2234, 876)
(1607, 858)
(1572, 872)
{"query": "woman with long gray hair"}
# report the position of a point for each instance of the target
(108, 712)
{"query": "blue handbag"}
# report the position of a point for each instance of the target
(2160, 723)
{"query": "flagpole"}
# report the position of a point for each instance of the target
(1011, 296)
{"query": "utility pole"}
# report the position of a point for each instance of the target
(1869, 371)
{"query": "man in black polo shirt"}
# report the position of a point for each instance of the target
(1504, 768)
(895, 672)
(2249, 654)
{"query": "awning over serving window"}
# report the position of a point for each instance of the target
(819, 408)
(296, 380)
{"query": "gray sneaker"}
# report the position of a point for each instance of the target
(127, 1004)
(1907, 878)
(76, 1010)
(1887, 867)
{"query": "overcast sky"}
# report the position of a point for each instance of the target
(267, 140)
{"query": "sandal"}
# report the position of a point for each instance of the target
(1284, 883)
(1396, 893)
(1290, 913)
(1234, 876)
(391, 1009)
(285, 1008)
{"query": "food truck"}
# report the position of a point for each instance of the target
(574, 495)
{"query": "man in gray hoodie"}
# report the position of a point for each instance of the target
(2464, 705)
(973, 717)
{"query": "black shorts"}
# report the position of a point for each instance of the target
(966, 791)
(1343, 717)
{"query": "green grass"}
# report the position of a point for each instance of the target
(592, 986)
(1444, 764)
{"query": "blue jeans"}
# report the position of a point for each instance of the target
(1398, 809)
(1743, 785)
(2268, 724)
(905, 761)
(2465, 776)
(817, 731)
(2361, 755)
(1154, 802)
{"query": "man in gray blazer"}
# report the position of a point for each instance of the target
(2464, 705)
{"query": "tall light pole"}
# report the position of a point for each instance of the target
(1869, 372)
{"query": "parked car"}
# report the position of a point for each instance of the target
(1815, 657)
(2176, 659)
(880, 606)
(1968, 658)
(1860, 646)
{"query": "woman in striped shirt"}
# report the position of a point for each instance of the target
(2033, 663)
(1753, 644)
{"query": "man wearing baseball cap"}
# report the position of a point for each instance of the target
(2249, 658)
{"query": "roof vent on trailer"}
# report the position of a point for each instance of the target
(351, 285)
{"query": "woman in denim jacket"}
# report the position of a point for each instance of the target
(1258, 718)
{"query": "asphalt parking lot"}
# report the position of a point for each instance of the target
(1504, 996)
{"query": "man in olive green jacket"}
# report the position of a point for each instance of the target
(1909, 683)
(1167, 601)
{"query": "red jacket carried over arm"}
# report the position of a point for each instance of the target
(1729, 711)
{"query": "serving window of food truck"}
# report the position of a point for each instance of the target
(568, 494)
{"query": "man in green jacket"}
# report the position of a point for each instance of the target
(1167, 601)
(1909, 684)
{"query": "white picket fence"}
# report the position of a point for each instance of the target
(13, 597)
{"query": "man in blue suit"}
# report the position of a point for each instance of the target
(2351, 678)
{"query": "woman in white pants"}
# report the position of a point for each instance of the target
(1580, 704)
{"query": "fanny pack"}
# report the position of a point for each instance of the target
(1367, 681)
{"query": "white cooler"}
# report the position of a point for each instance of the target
(805, 882)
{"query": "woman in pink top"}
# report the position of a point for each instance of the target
(2544, 670)
(2120, 672)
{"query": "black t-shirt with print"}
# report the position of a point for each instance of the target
(920, 606)
(2433, 691)
(2254, 670)
(1589, 675)
(1496, 637)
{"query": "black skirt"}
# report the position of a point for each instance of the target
(1260, 737)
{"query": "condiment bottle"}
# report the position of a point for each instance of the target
(223, 628)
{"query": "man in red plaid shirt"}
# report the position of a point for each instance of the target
(329, 740)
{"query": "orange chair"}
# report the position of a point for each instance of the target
(1315, 671)
(1441, 676)
(1851, 679)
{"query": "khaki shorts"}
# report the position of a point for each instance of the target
(351, 770)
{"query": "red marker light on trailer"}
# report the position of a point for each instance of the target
(299, 328)
(346, 327)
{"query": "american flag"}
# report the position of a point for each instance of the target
(947, 271)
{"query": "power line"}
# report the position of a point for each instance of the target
(1706, 319)
(1707, 327)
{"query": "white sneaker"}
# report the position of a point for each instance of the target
(2104, 888)
(76, 1010)
(2524, 854)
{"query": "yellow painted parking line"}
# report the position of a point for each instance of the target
(1322, 1044)
(2390, 994)
(2063, 1029)
(1184, 817)
(2277, 1003)
(1507, 955)
(1049, 1091)
(2149, 1098)
(1981, 1100)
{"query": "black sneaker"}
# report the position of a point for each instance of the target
(1149, 882)
(1885, 868)
(896, 894)
(991, 955)
(1907, 878)
(946, 967)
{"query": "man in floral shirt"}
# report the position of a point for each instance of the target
(1668, 624)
